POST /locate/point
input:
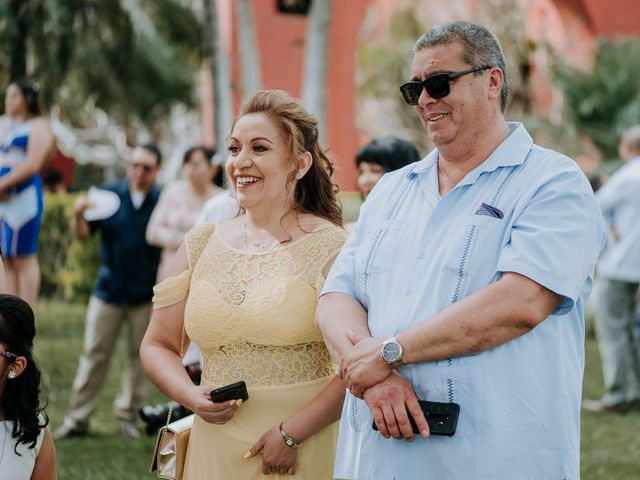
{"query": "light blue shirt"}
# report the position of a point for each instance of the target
(527, 210)
(619, 200)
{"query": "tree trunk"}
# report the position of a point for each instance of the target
(249, 51)
(314, 87)
(18, 42)
(220, 72)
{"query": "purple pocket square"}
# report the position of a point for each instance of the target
(489, 211)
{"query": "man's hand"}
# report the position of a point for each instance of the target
(391, 402)
(363, 366)
(80, 205)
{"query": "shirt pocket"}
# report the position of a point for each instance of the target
(472, 254)
(380, 244)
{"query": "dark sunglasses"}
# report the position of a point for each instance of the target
(9, 355)
(143, 166)
(437, 86)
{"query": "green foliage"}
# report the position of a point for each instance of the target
(134, 60)
(68, 266)
(605, 101)
(102, 455)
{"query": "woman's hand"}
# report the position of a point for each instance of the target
(211, 412)
(277, 457)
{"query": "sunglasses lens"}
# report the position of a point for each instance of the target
(411, 92)
(437, 85)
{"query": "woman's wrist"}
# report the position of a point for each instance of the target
(290, 441)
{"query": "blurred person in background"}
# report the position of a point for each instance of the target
(181, 202)
(122, 293)
(380, 156)
(27, 451)
(53, 181)
(618, 281)
(26, 142)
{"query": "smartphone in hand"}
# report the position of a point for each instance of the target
(233, 391)
(442, 418)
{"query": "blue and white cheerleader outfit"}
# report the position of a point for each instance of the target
(21, 213)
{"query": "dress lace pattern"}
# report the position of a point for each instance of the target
(253, 314)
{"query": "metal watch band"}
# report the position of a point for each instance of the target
(290, 442)
(398, 361)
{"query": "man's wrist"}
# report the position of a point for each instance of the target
(392, 352)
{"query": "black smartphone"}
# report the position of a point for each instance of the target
(233, 391)
(442, 418)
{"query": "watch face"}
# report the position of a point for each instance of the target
(391, 352)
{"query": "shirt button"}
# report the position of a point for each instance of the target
(407, 293)
(435, 221)
(421, 256)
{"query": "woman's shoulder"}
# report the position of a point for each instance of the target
(200, 233)
(312, 223)
(323, 231)
(40, 124)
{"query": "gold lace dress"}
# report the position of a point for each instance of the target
(253, 316)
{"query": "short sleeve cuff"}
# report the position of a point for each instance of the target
(568, 297)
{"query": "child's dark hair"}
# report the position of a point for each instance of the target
(21, 397)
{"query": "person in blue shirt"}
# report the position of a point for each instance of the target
(464, 282)
(619, 279)
(123, 291)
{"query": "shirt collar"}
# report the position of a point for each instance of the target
(512, 151)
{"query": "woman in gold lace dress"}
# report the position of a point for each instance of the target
(245, 291)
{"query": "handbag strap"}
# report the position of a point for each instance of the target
(183, 331)
(181, 355)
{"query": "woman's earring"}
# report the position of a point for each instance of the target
(12, 374)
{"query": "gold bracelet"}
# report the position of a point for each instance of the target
(290, 442)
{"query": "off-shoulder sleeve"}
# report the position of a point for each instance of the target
(174, 289)
(171, 290)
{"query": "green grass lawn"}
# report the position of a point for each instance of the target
(610, 442)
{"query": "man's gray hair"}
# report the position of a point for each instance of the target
(481, 48)
(631, 137)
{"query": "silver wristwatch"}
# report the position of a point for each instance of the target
(392, 352)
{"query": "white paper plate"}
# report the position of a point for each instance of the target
(102, 204)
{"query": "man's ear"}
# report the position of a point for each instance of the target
(305, 164)
(496, 79)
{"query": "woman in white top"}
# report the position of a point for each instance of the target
(181, 202)
(26, 447)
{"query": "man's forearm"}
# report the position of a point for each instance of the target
(490, 317)
(336, 313)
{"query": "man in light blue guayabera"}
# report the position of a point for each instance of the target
(465, 281)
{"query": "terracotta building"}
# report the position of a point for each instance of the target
(570, 27)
